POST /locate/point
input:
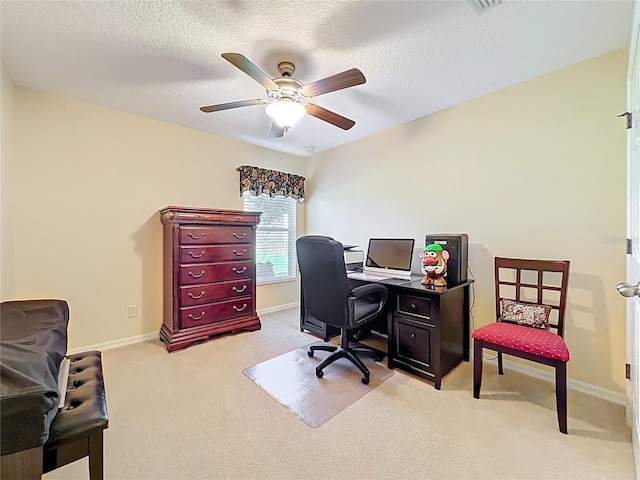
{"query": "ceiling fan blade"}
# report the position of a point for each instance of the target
(244, 64)
(349, 78)
(329, 116)
(276, 131)
(227, 106)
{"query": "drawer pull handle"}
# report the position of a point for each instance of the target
(239, 236)
(239, 309)
(196, 256)
(239, 290)
(413, 306)
(238, 271)
(196, 276)
(196, 296)
(196, 238)
(239, 217)
(413, 335)
(239, 253)
(196, 318)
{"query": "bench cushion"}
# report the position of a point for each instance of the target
(85, 407)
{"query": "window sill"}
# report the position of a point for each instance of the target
(279, 280)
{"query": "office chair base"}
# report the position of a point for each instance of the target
(348, 353)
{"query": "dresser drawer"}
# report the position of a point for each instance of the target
(414, 305)
(215, 235)
(236, 218)
(208, 254)
(193, 217)
(215, 312)
(214, 292)
(215, 272)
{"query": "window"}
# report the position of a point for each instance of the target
(275, 237)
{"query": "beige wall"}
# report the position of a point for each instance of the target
(537, 170)
(88, 182)
(6, 152)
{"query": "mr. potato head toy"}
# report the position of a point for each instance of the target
(434, 265)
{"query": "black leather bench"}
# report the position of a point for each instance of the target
(77, 429)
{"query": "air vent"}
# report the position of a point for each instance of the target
(484, 5)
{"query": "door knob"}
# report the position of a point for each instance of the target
(628, 290)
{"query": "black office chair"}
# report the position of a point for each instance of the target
(328, 298)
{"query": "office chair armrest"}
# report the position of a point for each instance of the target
(370, 289)
(375, 293)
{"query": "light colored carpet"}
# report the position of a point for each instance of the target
(290, 379)
(193, 414)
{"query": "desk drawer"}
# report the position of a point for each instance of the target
(414, 344)
(413, 305)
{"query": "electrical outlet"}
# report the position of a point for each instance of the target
(132, 311)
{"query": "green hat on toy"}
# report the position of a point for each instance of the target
(434, 247)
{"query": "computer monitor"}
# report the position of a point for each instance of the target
(389, 256)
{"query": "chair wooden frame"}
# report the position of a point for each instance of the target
(541, 267)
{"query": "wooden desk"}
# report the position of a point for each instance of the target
(427, 328)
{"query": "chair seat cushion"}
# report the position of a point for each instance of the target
(527, 339)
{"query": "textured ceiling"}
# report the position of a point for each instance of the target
(162, 59)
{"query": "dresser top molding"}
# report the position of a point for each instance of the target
(173, 214)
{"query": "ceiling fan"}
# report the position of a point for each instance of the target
(287, 97)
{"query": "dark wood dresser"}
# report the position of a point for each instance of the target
(209, 274)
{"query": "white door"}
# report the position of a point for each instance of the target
(631, 289)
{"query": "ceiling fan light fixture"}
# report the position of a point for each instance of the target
(286, 112)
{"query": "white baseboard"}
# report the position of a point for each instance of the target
(116, 343)
(583, 387)
(598, 392)
(278, 308)
(153, 335)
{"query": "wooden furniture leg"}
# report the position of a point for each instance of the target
(477, 367)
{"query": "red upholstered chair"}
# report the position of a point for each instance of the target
(541, 282)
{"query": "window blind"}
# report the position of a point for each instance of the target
(275, 237)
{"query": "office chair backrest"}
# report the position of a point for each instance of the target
(534, 281)
(324, 278)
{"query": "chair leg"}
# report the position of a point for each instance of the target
(357, 362)
(561, 395)
(349, 355)
(330, 359)
(477, 367)
(322, 348)
(500, 370)
(96, 467)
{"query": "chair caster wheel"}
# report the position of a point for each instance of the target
(319, 373)
(365, 379)
(378, 358)
(310, 353)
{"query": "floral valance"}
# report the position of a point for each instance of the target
(272, 182)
